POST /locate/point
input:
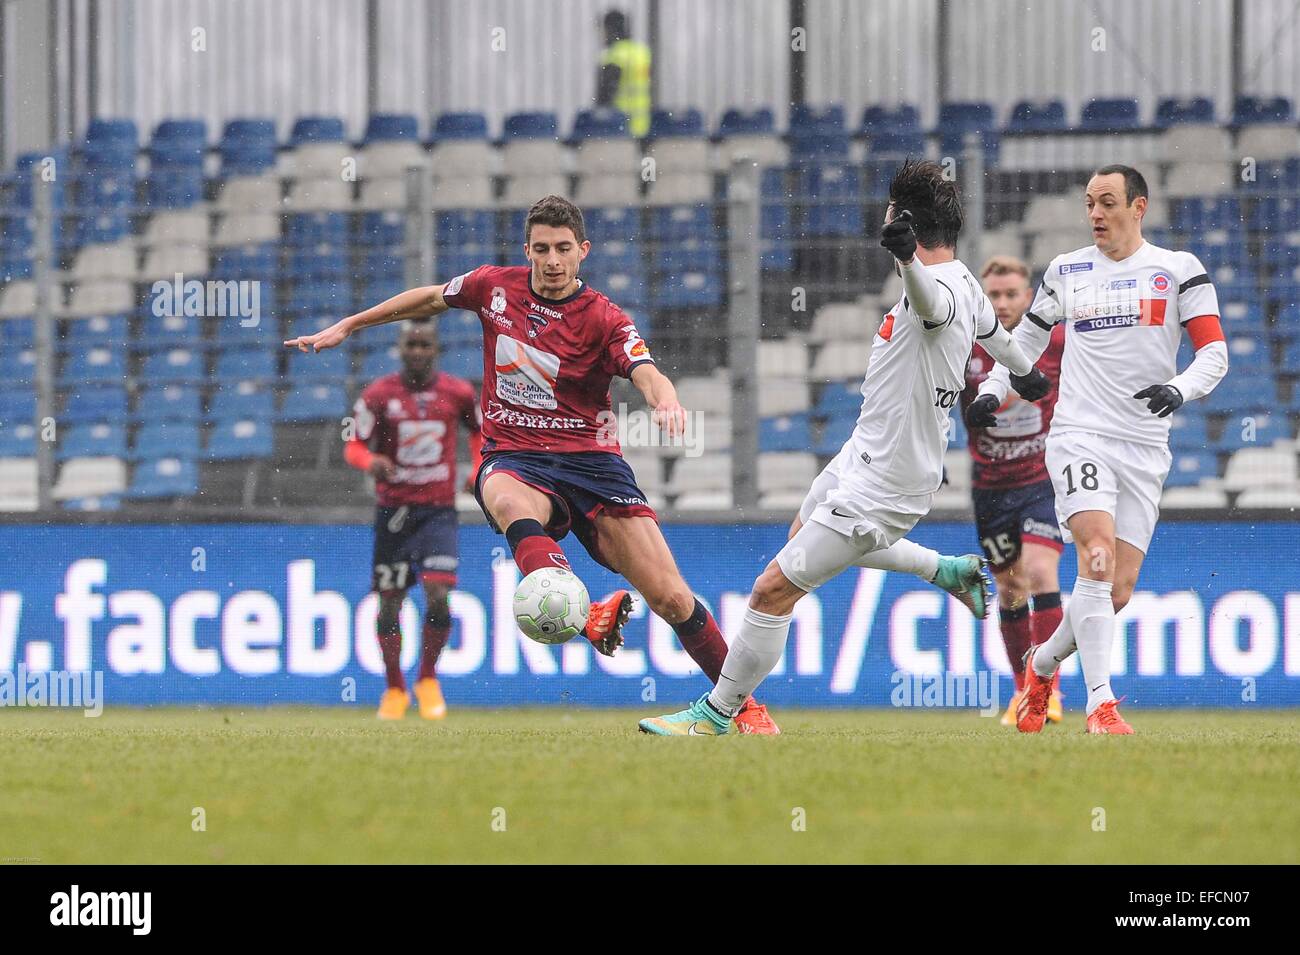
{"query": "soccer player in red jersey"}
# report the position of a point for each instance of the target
(1015, 513)
(406, 429)
(552, 344)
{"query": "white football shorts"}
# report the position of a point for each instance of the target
(1092, 472)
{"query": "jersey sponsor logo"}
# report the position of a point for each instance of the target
(525, 375)
(887, 327)
(519, 419)
(1161, 282)
(628, 500)
(1068, 267)
(1119, 284)
(635, 347)
(1040, 529)
(453, 287)
(498, 303)
(1128, 314)
(420, 442)
(995, 449)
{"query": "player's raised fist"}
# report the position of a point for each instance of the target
(1162, 400)
(1032, 386)
(897, 236)
(330, 337)
(982, 412)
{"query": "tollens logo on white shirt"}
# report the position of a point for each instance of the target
(526, 375)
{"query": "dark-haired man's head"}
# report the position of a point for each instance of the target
(921, 188)
(615, 26)
(418, 347)
(1117, 200)
(555, 245)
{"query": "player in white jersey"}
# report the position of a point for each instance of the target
(884, 478)
(1126, 304)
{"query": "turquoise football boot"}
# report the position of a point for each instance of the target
(698, 719)
(965, 578)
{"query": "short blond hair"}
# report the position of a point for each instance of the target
(1004, 265)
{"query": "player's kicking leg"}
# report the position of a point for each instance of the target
(527, 515)
(635, 548)
(814, 555)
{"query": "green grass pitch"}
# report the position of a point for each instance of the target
(334, 785)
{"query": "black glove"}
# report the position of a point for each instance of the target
(1164, 399)
(897, 236)
(981, 413)
(1032, 386)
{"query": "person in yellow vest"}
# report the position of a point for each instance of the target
(624, 78)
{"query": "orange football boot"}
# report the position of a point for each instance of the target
(1031, 711)
(754, 720)
(1106, 719)
(393, 704)
(605, 622)
(428, 694)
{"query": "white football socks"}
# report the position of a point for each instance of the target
(1094, 631)
(904, 557)
(753, 654)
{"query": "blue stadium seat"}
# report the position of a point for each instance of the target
(903, 118)
(167, 403)
(17, 439)
(740, 122)
(237, 440)
(17, 333)
(1253, 431)
(1261, 109)
(17, 405)
(785, 433)
(818, 132)
(174, 188)
(838, 399)
(1110, 115)
(102, 440)
(179, 142)
(163, 478)
(963, 116)
(1281, 252)
(326, 366)
(603, 123)
(381, 229)
(1028, 116)
(834, 200)
(630, 288)
(834, 434)
(246, 364)
(1237, 395)
(1188, 430)
(466, 226)
(313, 402)
(317, 129)
(1191, 467)
(20, 367)
(255, 261)
(1290, 364)
(166, 439)
(463, 362)
(247, 147)
(1196, 109)
(460, 126)
(1200, 214)
(391, 127)
(609, 223)
(317, 264)
(1250, 357)
(678, 223)
(458, 327)
(535, 125)
(106, 330)
(681, 122)
(100, 403)
(109, 502)
(168, 331)
(693, 289)
(233, 400)
(380, 362)
(688, 255)
(263, 331)
(316, 229)
(176, 366)
(93, 365)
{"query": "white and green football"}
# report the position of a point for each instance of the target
(551, 605)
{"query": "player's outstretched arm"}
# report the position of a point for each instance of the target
(661, 395)
(1208, 368)
(424, 302)
(928, 300)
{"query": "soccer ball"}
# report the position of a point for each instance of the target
(551, 605)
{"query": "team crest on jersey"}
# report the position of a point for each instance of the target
(498, 303)
(1161, 282)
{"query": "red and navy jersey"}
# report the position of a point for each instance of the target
(547, 364)
(1012, 453)
(416, 430)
